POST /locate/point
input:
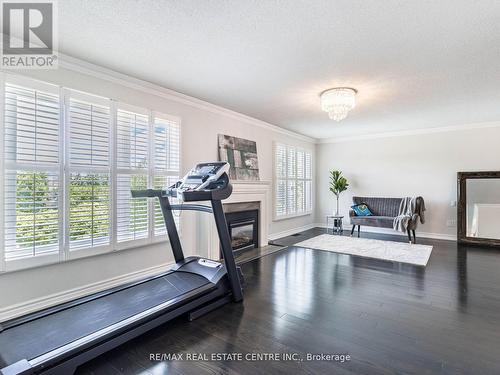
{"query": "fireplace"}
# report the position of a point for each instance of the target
(243, 224)
(247, 195)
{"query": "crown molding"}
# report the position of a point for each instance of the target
(80, 66)
(406, 133)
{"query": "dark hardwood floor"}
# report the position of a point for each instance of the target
(248, 255)
(390, 318)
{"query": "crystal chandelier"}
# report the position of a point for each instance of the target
(338, 102)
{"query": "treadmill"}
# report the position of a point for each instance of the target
(59, 339)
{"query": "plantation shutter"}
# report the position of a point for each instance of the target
(132, 142)
(293, 180)
(291, 183)
(308, 182)
(300, 188)
(89, 130)
(68, 161)
(280, 173)
(89, 179)
(166, 163)
(31, 176)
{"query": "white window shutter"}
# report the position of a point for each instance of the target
(132, 221)
(89, 129)
(300, 164)
(308, 166)
(31, 214)
(31, 126)
(89, 175)
(160, 182)
(132, 140)
(280, 161)
(89, 206)
(308, 183)
(291, 161)
(31, 179)
(132, 213)
(166, 160)
(280, 197)
(101, 152)
(293, 183)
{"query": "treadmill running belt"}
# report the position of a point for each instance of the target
(37, 337)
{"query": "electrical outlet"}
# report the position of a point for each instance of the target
(451, 222)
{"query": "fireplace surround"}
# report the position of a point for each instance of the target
(254, 195)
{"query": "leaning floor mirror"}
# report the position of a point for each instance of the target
(479, 208)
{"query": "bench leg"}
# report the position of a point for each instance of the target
(352, 230)
(409, 235)
(359, 228)
(414, 236)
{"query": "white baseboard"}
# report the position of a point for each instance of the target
(289, 232)
(38, 304)
(434, 236)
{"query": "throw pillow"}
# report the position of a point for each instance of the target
(361, 210)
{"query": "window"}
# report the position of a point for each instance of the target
(89, 171)
(132, 173)
(292, 182)
(31, 178)
(69, 162)
(166, 163)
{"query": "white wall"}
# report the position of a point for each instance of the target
(424, 164)
(200, 125)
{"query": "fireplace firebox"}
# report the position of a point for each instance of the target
(243, 225)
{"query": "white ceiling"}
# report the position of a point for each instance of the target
(416, 64)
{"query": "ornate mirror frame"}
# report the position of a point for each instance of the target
(462, 178)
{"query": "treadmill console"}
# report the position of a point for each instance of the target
(205, 182)
(202, 175)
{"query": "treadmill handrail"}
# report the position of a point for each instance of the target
(161, 194)
(191, 207)
(148, 193)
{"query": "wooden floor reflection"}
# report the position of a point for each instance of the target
(391, 318)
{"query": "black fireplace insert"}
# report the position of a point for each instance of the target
(244, 229)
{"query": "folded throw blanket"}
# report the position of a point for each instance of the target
(409, 209)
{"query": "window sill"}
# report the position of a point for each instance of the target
(291, 216)
(52, 259)
(27, 263)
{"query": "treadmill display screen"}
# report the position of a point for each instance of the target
(202, 175)
(205, 170)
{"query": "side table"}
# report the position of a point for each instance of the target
(337, 224)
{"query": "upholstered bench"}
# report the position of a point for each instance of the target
(384, 211)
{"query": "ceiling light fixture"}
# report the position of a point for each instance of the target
(338, 102)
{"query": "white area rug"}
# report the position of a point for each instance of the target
(387, 250)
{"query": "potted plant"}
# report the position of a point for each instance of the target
(338, 184)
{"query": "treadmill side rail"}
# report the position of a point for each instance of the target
(227, 251)
(18, 368)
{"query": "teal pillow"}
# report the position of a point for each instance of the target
(361, 210)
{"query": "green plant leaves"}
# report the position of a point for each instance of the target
(338, 183)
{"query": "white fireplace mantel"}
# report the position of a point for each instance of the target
(246, 191)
